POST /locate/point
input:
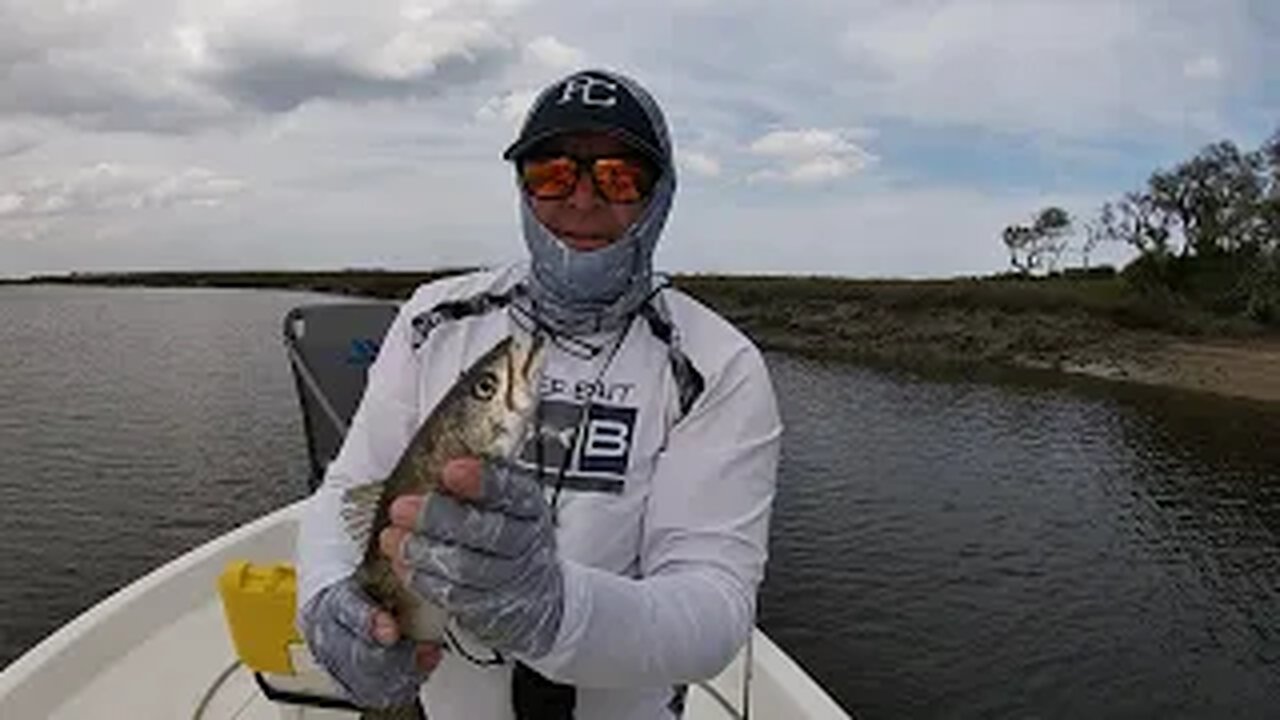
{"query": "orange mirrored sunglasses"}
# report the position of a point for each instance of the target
(618, 178)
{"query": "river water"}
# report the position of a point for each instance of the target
(942, 548)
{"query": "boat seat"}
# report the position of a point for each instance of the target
(330, 348)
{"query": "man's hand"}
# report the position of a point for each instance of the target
(361, 647)
(483, 548)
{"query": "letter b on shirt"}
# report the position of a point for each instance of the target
(606, 445)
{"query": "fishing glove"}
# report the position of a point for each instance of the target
(338, 626)
(491, 562)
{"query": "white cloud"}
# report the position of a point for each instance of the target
(803, 143)
(194, 186)
(146, 65)
(1204, 67)
(10, 203)
(877, 232)
(699, 163)
(809, 156)
(370, 132)
(821, 169)
(1062, 67)
(114, 187)
(509, 107)
(554, 54)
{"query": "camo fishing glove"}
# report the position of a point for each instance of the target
(338, 626)
(491, 562)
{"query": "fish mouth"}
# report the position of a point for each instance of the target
(522, 367)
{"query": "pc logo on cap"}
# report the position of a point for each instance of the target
(588, 100)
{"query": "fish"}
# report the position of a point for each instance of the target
(484, 414)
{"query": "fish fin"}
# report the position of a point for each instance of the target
(359, 507)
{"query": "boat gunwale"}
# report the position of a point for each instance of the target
(48, 674)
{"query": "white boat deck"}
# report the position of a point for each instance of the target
(159, 649)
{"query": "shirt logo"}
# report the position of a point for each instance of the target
(590, 91)
(594, 461)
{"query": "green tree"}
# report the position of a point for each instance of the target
(1135, 221)
(1039, 245)
(1270, 210)
(1213, 200)
(1223, 207)
(1095, 233)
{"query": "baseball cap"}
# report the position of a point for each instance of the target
(588, 100)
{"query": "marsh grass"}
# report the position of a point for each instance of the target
(958, 322)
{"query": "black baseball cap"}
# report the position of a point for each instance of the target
(589, 100)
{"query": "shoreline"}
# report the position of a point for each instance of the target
(1076, 327)
(1224, 367)
(1248, 370)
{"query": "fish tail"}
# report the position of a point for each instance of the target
(360, 509)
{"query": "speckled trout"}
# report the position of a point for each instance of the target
(483, 415)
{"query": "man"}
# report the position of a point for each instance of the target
(660, 506)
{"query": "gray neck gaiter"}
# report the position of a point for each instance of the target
(578, 292)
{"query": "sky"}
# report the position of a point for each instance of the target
(864, 138)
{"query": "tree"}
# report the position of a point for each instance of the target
(1019, 239)
(1271, 153)
(1094, 233)
(1270, 209)
(1224, 206)
(1040, 244)
(1213, 199)
(1135, 221)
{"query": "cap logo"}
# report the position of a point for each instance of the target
(592, 91)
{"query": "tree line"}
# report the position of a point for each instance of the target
(1207, 232)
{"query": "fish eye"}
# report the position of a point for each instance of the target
(485, 386)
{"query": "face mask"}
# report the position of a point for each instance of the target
(599, 290)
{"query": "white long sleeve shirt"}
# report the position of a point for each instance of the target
(663, 517)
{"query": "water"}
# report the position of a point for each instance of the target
(1015, 551)
(941, 548)
(134, 424)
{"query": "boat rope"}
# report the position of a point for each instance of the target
(314, 386)
(724, 702)
(213, 689)
(721, 700)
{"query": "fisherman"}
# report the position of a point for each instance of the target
(616, 558)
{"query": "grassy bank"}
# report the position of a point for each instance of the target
(965, 321)
(1093, 326)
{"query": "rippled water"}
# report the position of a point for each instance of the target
(959, 550)
(134, 424)
(941, 549)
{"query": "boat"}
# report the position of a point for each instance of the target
(160, 648)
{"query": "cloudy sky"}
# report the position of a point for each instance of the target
(852, 137)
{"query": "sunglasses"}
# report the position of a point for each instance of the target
(621, 179)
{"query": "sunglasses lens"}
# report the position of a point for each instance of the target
(621, 180)
(549, 178)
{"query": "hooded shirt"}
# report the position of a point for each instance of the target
(662, 527)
